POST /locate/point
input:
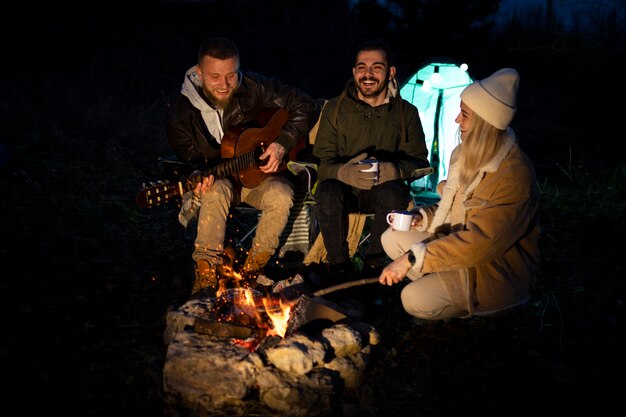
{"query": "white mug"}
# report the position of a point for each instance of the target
(401, 220)
(373, 168)
(373, 162)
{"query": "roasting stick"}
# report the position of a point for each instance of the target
(292, 295)
(344, 285)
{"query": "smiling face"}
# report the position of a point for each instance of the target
(220, 78)
(464, 118)
(372, 75)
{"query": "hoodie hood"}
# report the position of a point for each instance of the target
(212, 118)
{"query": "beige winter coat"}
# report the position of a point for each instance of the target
(488, 233)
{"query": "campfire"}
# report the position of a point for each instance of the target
(246, 316)
(238, 303)
(295, 358)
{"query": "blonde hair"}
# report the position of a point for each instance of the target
(480, 144)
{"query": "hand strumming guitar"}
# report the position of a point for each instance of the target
(275, 152)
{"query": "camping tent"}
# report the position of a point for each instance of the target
(435, 90)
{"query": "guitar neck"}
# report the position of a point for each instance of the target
(240, 150)
(226, 169)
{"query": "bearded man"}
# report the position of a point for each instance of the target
(217, 96)
(369, 120)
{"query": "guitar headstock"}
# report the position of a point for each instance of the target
(156, 194)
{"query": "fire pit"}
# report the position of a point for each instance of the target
(224, 351)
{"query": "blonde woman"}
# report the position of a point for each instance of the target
(475, 252)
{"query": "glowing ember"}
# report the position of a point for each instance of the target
(250, 343)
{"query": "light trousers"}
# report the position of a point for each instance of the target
(273, 197)
(425, 297)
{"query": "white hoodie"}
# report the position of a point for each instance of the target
(212, 117)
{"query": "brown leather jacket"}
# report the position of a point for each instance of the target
(191, 141)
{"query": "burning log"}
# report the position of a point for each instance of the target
(225, 330)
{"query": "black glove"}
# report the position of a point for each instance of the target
(387, 171)
(350, 173)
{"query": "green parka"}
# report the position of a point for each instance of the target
(389, 132)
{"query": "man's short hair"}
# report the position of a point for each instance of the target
(219, 48)
(376, 45)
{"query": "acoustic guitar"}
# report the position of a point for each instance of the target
(241, 148)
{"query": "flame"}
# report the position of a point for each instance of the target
(278, 313)
(279, 317)
(223, 283)
(221, 289)
(246, 303)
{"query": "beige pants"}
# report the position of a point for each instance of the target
(425, 297)
(273, 197)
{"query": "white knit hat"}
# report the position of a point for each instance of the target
(494, 98)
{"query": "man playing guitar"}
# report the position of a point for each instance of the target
(216, 98)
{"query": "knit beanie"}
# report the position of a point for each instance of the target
(494, 98)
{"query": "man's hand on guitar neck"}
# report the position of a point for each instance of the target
(203, 186)
(275, 152)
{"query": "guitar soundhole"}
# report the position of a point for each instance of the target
(258, 151)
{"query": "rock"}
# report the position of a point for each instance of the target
(203, 371)
(343, 339)
(367, 331)
(296, 395)
(185, 315)
(351, 368)
(297, 354)
(302, 374)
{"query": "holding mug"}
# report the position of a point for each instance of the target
(373, 167)
(400, 220)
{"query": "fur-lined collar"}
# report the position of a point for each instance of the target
(452, 185)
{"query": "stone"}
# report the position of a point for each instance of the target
(185, 315)
(368, 333)
(302, 374)
(206, 371)
(351, 368)
(343, 339)
(297, 354)
(296, 395)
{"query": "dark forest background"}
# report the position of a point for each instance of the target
(87, 278)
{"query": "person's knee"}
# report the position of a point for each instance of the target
(417, 302)
(412, 304)
(221, 190)
(330, 198)
(281, 188)
(279, 194)
(396, 243)
(390, 244)
(392, 194)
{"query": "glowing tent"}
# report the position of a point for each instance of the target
(435, 90)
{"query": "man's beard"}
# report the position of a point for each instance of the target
(382, 87)
(220, 103)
